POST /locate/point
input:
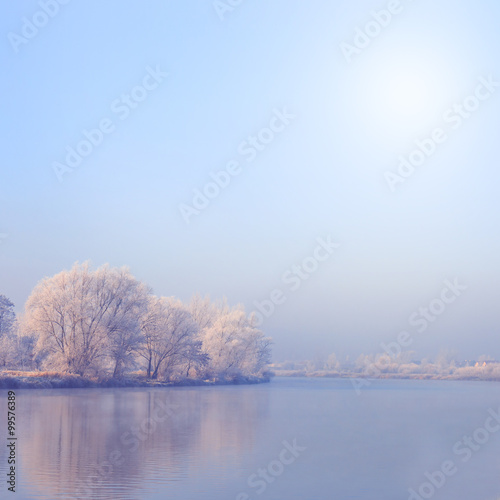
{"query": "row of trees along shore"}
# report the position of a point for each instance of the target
(105, 323)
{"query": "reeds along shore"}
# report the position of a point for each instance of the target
(489, 373)
(11, 379)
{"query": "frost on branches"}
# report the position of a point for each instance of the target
(104, 322)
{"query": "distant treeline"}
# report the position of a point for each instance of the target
(402, 365)
(104, 323)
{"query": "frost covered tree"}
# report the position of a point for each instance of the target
(170, 337)
(83, 318)
(203, 311)
(332, 362)
(7, 333)
(231, 339)
(7, 350)
(123, 319)
(17, 349)
(7, 315)
(87, 321)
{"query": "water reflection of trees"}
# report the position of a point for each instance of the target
(113, 443)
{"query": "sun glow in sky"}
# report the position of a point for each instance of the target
(402, 92)
(407, 92)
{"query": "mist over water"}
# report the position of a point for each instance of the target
(290, 439)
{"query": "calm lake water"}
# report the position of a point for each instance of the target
(307, 439)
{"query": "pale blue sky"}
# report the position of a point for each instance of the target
(322, 175)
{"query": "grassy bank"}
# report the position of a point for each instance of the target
(10, 379)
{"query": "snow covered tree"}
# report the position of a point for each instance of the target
(170, 337)
(232, 340)
(122, 320)
(90, 322)
(7, 315)
(84, 317)
(7, 333)
(7, 351)
(332, 362)
(17, 348)
(203, 311)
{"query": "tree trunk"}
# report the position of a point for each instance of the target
(116, 371)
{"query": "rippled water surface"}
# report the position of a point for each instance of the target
(307, 439)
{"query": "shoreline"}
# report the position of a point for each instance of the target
(385, 376)
(67, 381)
